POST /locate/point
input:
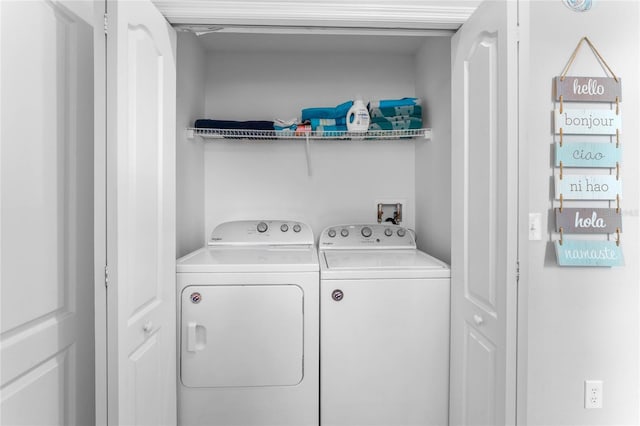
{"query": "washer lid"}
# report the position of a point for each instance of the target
(250, 259)
(354, 264)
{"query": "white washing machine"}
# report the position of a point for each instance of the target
(384, 329)
(249, 327)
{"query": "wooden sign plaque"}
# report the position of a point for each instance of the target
(587, 121)
(587, 154)
(587, 187)
(588, 89)
(588, 253)
(588, 221)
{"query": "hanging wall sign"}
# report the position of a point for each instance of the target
(599, 152)
(588, 253)
(585, 154)
(588, 89)
(588, 187)
(588, 220)
(587, 121)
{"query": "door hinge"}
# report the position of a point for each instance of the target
(106, 276)
(106, 23)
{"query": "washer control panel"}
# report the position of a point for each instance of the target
(261, 232)
(366, 236)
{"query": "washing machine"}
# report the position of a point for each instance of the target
(249, 327)
(384, 329)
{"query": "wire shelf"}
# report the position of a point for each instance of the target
(302, 135)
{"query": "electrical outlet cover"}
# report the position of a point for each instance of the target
(593, 394)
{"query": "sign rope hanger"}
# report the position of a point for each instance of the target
(600, 59)
(595, 52)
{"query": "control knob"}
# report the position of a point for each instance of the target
(262, 227)
(388, 232)
(401, 232)
(331, 233)
(297, 228)
(284, 227)
(344, 232)
(366, 232)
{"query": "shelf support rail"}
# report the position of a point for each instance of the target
(307, 149)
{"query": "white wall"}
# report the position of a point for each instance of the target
(270, 179)
(582, 322)
(189, 152)
(433, 158)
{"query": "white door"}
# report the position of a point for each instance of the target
(140, 218)
(46, 257)
(484, 216)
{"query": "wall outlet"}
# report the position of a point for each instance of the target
(593, 394)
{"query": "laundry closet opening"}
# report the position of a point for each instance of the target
(266, 76)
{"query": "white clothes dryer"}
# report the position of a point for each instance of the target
(248, 327)
(384, 329)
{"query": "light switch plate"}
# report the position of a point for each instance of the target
(535, 223)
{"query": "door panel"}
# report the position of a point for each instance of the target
(48, 384)
(46, 180)
(34, 210)
(143, 365)
(140, 216)
(142, 175)
(480, 373)
(481, 81)
(484, 217)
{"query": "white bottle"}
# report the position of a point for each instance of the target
(358, 117)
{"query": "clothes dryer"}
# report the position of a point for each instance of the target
(384, 331)
(248, 327)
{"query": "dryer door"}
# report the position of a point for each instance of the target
(241, 335)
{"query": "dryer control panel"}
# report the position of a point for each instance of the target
(374, 236)
(261, 232)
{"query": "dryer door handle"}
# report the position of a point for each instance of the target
(191, 336)
(196, 337)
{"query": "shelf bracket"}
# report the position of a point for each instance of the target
(307, 149)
